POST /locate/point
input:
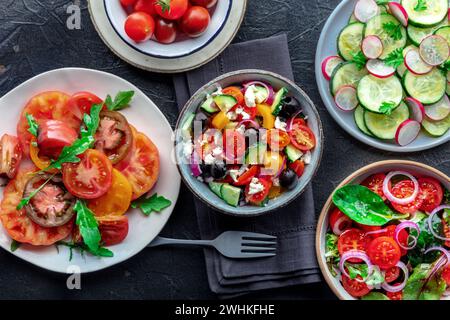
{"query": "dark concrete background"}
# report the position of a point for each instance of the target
(34, 39)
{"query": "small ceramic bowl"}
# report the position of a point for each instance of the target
(201, 190)
(357, 177)
(184, 45)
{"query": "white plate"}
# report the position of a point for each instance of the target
(327, 47)
(145, 116)
(109, 17)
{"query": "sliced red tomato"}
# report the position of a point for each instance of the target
(392, 274)
(384, 252)
(206, 143)
(354, 287)
(277, 139)
(113, 229)
(10, 155)
(258, 198)
(403, 237)
(302, 137)
(298, 166)
(236, 93)
(446, 275)
(352, 239)
(91, 177)
(431, 193)
(404, 189)
(395, 295)
(53, 136)
(81, 103)
(366, 228)
(299, 122)
(16, 222)
(234, 145)
(141, 166)
(247, 176)
(375, 183)
(339, 221)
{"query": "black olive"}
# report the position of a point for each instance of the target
(288, 179)
(218, 170)
(290, 107)
(206, 170)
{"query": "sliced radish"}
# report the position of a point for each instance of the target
(372, 47)
(440, 110)
(329, 64)
(379, 69)
(416, 109)
(415, 63)
(407, 132)
(346, 98)
(366, 10)
(434, 50)
(398, 11)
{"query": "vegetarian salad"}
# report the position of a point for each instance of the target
(248, 142)
(74, 169)
(164, 20)
(392, 69)
(388, 238)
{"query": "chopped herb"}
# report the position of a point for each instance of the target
(15, 245)
(394, 30)
(395, 58)
(26, 200)
(154, 203)
(33, 126)
(421, 5)
(122, 99)
(359, 59)
(387, 107)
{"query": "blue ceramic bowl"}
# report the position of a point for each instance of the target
(201, 190)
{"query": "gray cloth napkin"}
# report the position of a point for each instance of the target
(294, 225)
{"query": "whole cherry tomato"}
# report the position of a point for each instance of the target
(171, 9)
(165, 31)
(147, 6)
(139, 26)
(195, 21)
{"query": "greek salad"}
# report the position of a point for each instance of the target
(392, 69)
(249, 142)
(74, 169)
(388, 238)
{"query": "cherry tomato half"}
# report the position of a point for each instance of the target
(354, 287)
(395, 295)
(431, 192)
(339, 221)
(404, 189)
(165, 31)
(10, 155)
(171, 9)
(298, 166)
(352, 239)
(375, 183)
(384, 252)
(302, 137)
(259, 197)
(247, 176)
(195, 21)
(277, 139)
(446, 275)
(392, 274)
(82, 102)
(139, 26)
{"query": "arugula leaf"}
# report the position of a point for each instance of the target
(91, 121)
(101, 252)
(359, 59)
(15, 245)
(423, 284)
(121, 100)
(88, 225)
(421, 5)
(26, 200)
(387, 107)
(154, 203)
(395, 58)
(375, 296)
(69, 154)
(364, 206)
(394, 30)
(33, 126)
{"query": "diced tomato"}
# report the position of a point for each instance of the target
(431, 193)
(236, 93)
(298, 166)
(247, 176)
(404, 189)
(339, 222)
(395, 295)
(354, 287)
(10, 155)
(392, 274)
(375, 183)
(258, 198)
(53, 136)
(384, 252)
(206, 143)
(352, 239)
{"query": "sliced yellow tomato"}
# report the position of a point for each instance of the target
(265, 111)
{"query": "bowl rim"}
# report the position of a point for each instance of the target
(263, 210)
(326, 208)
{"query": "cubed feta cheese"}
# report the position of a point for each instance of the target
(250, 97)
(255, 187)
(279, 124)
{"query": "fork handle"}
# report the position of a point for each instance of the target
(160, 241)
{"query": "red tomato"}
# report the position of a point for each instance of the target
(204, 3)
(298, 166)
(404, 189)
(236, 93)
(247, 176)
(147, 6)
(354, 288)
(113, 229)
(339, 221)
(205, 143)
(171, 9)
(277, 139)
(195, 21)
(139, 26)
(366, 228)
(392, 274)
(127, 3)
(53, 136)
(446, 230)
(251, 112)
(302, 137)
(81, 103)
(395, 295)
(431, 192)
(352, 239)
(375, 183)
(234, 145)
(299, 122)
(403, 237)
(165, 31)
(91, 177)
(10, 155)
(258, 198)
(384, 252)
(446, 275)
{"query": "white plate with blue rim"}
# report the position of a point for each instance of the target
(184, 54)
(327, 47)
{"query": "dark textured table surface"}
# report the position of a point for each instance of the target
(34, 39)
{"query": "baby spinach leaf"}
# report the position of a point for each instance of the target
(422, 285)
(364, 206)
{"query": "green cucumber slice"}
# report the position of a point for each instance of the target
(353, 19)
(292, 153)
(435, 11)
(359, 120)
(417, 34)
(230, 194)
(375, 27)
(349, 40)
(447, 90)
(346, 74)
(385, 126)
(278, 101)
(444, 32)
(216, 187)
(225, 102)
(373, 92)
(436, 128)
(255, 154)
(186, 128)
(209, 105)
(428, 88)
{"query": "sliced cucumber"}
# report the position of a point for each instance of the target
(444, 32)
(278, 101)
(375, 27)
(433, 13)
(225, 102)
(447, 90)
(216, 187)
(346, 74)
(209, 105)
(230, 194)
(436, 128)
(401, 69)
(292, 153)
(428, 88)
(349, 40)
(186, 128)
(255, 154)
(359, 120)
(261, 94)
(385, 126)
(373, 92)
(417, 34)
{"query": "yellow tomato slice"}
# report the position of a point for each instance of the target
(40, 162)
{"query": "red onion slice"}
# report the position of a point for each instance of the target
(281, 168)
(195, 165)
(430, 222)
(376, 232)
(290, 123)
(445, 252)
(398, 287)
(253, 123)
(405, 225)
(336, 227)
(358, 255)
(391, 197)
(269, 88)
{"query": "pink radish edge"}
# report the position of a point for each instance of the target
(410, 68)
(324, 66)
(398, 11)
(416, 108)
(373, 39)
(411, 125)
(340, 92)
(373, 72)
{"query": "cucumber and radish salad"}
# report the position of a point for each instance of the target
(249, 142)
(388, 237)
(392, 69)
